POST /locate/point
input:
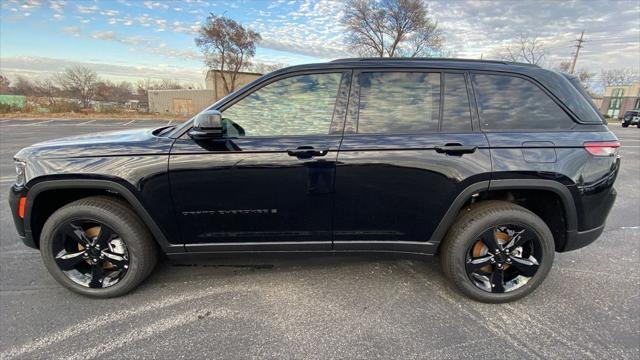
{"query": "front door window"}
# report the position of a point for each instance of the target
(298, 105)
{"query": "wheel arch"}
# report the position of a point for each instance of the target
(562, 220)
(80, 188)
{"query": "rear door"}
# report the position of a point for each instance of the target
(270, 179)
(410, 148)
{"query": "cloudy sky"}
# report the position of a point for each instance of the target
(125, 39)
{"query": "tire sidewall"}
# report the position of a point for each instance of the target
(527, 220)
(126, 233)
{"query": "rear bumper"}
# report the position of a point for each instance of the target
(578, 239)
(14, 201)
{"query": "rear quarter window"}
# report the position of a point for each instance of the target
(513, 103)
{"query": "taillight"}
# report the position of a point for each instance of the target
(605, 148)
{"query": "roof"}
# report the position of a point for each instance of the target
(430, 61)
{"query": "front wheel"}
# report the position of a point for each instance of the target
(497, 252)
(625, 124)
(97, 246)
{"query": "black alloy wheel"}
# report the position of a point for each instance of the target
(91, 254)
(497, 251)
(97, 246)
(504, 258)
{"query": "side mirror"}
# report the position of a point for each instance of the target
(207, 125)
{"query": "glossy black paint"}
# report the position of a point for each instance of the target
(254, 192)
(366, 192)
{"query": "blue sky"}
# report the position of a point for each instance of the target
(130, 38)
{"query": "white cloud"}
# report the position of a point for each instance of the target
(57, 6)
(42, 67)
(73, 30)
(110, 13)
(104, 35)
(155, 5)
(87, 9)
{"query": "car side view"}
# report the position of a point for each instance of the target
(492, 166)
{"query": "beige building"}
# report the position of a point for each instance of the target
(188, 101)
(214, 81)
(619, 99)
(180, 101)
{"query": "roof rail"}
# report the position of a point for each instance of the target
(430, 59)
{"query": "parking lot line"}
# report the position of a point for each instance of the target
(84, 123)
(132, 121)
(40, 122)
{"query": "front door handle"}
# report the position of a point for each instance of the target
(456, 149)
(307, 152)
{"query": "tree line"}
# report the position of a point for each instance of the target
(83, 85)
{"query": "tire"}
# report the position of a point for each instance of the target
(117, 216)
(625, 124)
(464, 234)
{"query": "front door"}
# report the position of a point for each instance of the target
(408, 151)
(271, 177)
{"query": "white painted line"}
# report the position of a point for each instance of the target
(87, 326)
(41, 122)
(630, 146)
(169, 123)
(84, 123)
(128, 123)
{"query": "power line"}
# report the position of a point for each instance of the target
(578, 46)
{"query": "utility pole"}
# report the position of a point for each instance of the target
(578, 46)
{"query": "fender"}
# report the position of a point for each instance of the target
(542, 184)
(109, 185)
(509, 184)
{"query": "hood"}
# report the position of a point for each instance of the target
(112, 143)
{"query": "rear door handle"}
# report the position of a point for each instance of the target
(307, 152)
(456, 149)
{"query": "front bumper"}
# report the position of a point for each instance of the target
(14, 202)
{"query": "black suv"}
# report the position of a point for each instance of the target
(494, 166)
(631, 118)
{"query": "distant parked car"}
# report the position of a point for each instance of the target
(631, 118)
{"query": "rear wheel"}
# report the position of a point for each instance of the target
(98, 247)
(497, 252)
(625, 124)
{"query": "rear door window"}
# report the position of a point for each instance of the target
(398, 102)
(456, 113)
(513, 103)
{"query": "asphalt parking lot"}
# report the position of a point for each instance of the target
(322, 307)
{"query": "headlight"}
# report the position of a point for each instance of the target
(21, 178)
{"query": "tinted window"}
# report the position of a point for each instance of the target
(456, 112)
(298, 105)
(399, 102)
(508, 102)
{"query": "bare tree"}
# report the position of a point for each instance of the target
(391, 28)
(80, 82)
(5, 85)
(47, 88)
(525, 49)
(227, 46)
(617, 77)
(24, 86)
